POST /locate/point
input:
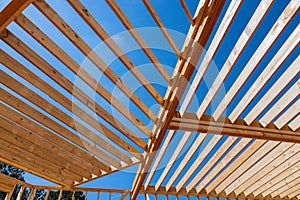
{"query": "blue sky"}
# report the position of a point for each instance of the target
(174, 19)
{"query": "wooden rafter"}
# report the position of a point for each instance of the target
(206, 19)
(206, 124)
(11, 11)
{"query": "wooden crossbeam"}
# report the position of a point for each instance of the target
(238, 129)
(11, 11)
(199, 33)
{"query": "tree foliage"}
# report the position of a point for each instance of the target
(40, 194)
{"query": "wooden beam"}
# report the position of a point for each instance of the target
(282, 82)
(187, 12)
(85, 76)
(289, 114)
(36, 81)
(125, 21)
(236, 52)
(63, 117)
(45, 67)
(238, 129)
(98, 29)
(59, 129)
(162, 28)
(11, 11)
(197, 37)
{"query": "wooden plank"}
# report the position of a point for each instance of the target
(290, 188)
(274, 91)
(261, 173)
(282, 54)
(281, 180)
(133, 32)
(92, 22)
(57, 128)
(176, 153)
(198, 161)
(55, 112)
(187, 12)
(257, 144)
(162, 28)
(289, 114)
(295, 123)
(237, 129)
(44, 133)
(11, 11)
(227, 159)
(210, 53)
(183, 71)
(45, 67)
(197, 143)
(17, 161)
(159, 157)
(236, 52)
(285, 173)
(217, 155)
(43, 153)
(46, 42)
(280, 105)
(256, 167)
(33, 79)
(264, 150)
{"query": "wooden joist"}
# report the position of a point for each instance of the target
(183, 71)
(11, 11)
(36, 81)
(238, 129)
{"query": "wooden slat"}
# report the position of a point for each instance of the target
(159, 157)
(57, 128)
(45, 41)
(244, 167)
(44, 133)
(27, 75)
(281, 104)
(55, 112)
(187, 12)
(227, 159)
(257, 167)
(205, 22)
(125, 21)
(295, 123)
(92, 22)
(236, 52)
(197, 143)
(25, 135)
(42, 153)
(237, 129)
(45, 67)
(261, 173)
(162, 28)
(11, 11)
(201, 157)
(275, 178)
(217, 155)
(289, 114)
(210, 53)
(257, 144)
(292, 187)
(282, 54)
(274, 91)
(19, 162)
(176, 153)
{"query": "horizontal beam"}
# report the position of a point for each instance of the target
(206, 124)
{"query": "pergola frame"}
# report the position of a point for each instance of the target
(268, 149)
